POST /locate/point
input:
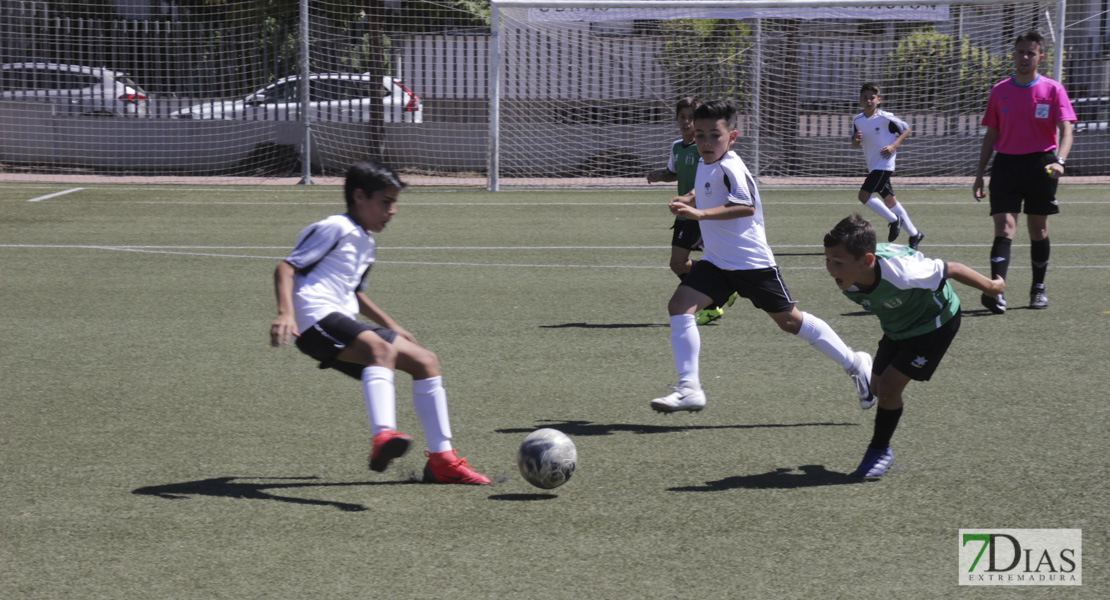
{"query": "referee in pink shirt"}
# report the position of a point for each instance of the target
(1024, 115)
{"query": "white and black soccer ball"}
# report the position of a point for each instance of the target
(547, 458)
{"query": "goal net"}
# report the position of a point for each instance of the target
(587, 90)
(516, 92)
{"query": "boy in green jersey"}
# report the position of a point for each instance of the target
(682, 167)
(917, 309)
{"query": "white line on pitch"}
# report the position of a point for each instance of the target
(55, 195)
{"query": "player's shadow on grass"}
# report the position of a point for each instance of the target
(604, 325)
(779, 479)
(588, 428)
(254, 488)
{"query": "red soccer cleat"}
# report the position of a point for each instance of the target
(387, 445)
(447, 467)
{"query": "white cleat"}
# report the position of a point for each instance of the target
(861, 376)
(684, 397)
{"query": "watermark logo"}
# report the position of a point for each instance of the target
(1021, 557)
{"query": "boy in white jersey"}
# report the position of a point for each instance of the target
(917, 309)
(880, 133)
(682, 167)
(737, 259)
(319, 295)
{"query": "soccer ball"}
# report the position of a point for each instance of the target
(547, 458)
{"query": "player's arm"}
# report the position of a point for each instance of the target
(717, 213)
(985, 153)
(371, 311)
(887, 151)
(970, 277)
(857, 137)
(1063, 148)
(285, 325)
(663, 174)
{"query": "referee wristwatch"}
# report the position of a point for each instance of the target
(1061, 161)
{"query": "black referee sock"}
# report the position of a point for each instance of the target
(1039, 252)
(886, 421)
(1000, 257)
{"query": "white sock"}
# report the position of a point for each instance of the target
(822, 337)
(430, 401)
(876, 204)
(685, 346)
(906, 222)
(380, 396)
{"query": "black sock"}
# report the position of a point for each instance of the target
(886, 421)
(1039, 252)
(1000, 257)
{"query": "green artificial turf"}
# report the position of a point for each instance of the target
(154, 445)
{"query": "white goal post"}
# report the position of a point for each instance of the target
(582, 93)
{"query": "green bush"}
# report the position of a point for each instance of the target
(937, 72)
(718, 73)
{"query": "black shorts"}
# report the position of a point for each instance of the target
(916, 357)
(878, 183)
(687, 234)
(764, 287)
(330, 335)
(1017, 177)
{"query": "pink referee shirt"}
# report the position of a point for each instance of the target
(1026, 116)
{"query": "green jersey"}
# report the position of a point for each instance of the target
(684, 163)
(912, 295)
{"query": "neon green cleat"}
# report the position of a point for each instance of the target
(708, 315)
(732, 298)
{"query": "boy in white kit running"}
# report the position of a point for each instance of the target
(880, 133)
(319, 296)
(738, 259)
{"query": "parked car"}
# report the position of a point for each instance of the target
(76, 89)
(343, 97)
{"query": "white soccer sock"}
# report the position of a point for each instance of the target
(876, 204)
(430, 401)
(906, 222)
(380, 396)
(685, 346)
(822, 337)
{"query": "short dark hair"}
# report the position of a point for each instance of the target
(854, 233)
(870, 87)
(718, 110)
(369, 176)
(686, 102)
(1032, 37)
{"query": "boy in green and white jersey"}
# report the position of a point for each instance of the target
(918, 311)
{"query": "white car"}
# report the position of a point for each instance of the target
(74, 89)
(342, 97)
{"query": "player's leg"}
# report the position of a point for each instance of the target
(680, 261)
(896, 364)
(819, 334)
(429, 400)
(691, 296)
(896, 207)
(364, 352)
(871, 193)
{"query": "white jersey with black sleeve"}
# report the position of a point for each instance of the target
(877, 131)
(732, 244)
(332, 257)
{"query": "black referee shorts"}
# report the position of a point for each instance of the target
(1018, 177)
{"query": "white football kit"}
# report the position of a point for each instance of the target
(878, 130)
(732, 244)
(332, 257)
